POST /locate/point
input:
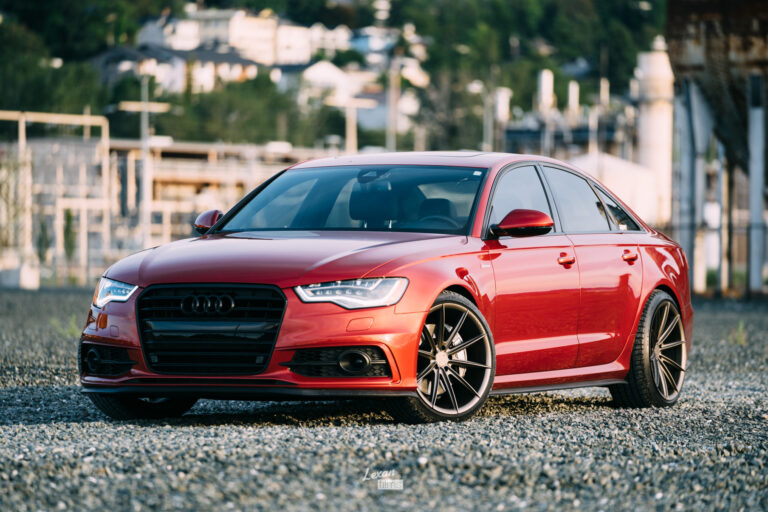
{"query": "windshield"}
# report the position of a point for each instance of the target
(430, 199)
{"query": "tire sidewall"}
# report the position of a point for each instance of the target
(452, 297)
(658, 298)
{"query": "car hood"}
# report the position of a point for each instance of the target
(281, 258)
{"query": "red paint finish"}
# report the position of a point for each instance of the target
(562, 307)
(536, 306)
(610, 295)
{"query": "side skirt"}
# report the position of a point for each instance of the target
(554, 387)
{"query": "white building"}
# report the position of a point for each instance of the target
(262, 38)
(293, 44)
(179, 34)
(327, 40)
(206, 66)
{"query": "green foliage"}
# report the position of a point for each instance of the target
(344, 57)
(354, 14)
(29, 82)
(77, 29)
(71, 331)
(69, 234)
(738, 336)
(249, 111)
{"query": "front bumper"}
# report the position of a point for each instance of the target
(303, 326)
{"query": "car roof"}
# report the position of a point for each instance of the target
(448, 158)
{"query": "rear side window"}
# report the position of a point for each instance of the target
(618, 215)
(581, 211)
(517, 189)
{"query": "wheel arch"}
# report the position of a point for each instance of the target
(463, 291)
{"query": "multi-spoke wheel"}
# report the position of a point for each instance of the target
(456, 363)
(659, 357)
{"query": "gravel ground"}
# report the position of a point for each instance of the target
(546, 451)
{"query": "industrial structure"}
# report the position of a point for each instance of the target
(719, 54)
(71, 207)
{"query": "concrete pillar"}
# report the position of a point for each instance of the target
(351, 129)
(573, 100)
(58, 220)
(545, 95)
(695, 136)
(756, 138)
(723, 265)
(83, 227)
(593, 120)
(655, 86)
(684, 229)
(147, 178)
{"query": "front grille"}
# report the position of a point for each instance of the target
(324, 362)
(181, 336)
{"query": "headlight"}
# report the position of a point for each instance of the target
(356, 293)
(109, 290)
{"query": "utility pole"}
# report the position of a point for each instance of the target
(393, 98)
(350, 106)
(145, 209)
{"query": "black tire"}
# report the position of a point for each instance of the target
(135, 408)
(659, 357)
(464, 370)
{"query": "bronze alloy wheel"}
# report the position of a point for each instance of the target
(659, 357)
(668, 352)
(456, 362)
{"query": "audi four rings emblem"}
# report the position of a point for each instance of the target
(207, 304)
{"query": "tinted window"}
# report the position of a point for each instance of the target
(580, 209)
(619, 216)
(519, 188)
(428, 199)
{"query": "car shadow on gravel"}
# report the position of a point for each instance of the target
(35, 405)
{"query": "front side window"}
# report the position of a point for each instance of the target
(581, 211)
(517, 189)
(431, 199)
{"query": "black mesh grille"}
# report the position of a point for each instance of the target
(323, 362)
(236, 340)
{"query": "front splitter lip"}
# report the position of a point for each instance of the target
(244, 392)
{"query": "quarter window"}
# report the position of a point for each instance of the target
(619, 215)
(519, 188)
(580, 209)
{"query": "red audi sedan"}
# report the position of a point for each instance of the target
(430, 279)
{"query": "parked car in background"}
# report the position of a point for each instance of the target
(429, 279)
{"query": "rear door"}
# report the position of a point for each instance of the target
(537, 298)
(608, 260)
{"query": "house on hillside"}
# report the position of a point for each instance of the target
(263, 38)
(205, 66)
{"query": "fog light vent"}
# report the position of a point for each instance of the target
(340, 362)
(104, 361)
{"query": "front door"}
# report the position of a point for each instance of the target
(537, 284)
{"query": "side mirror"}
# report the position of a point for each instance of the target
(206, 220)
(523, 223)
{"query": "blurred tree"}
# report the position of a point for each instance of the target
(247, 112)
(43, 241)
(76, 29)
(70, 234)
(344, 57)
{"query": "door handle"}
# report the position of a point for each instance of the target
(566, 259)
(629, 255)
